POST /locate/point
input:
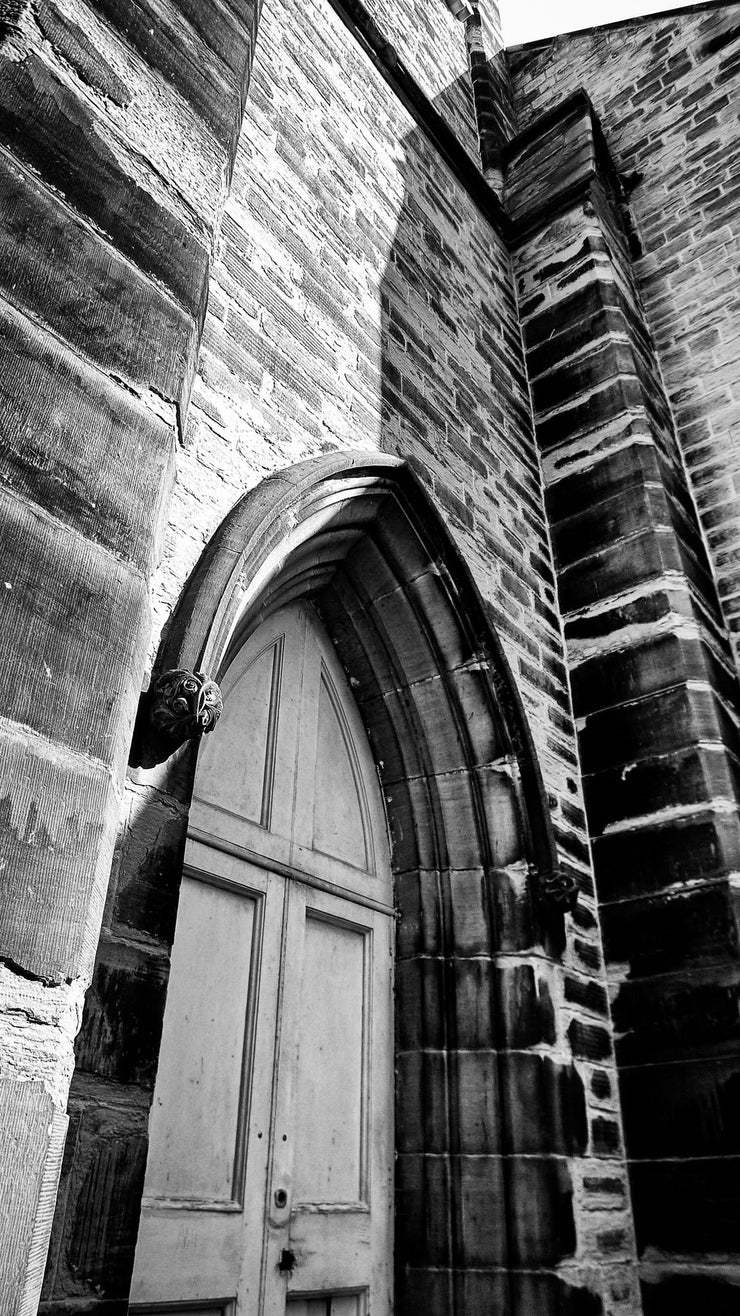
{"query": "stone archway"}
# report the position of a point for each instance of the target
(322, 528)
(473, 855)
(486, 1119)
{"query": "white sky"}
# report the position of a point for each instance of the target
(526, 20)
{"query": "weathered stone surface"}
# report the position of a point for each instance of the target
(550, 161)
(53, 131)
(661, 662)
(360, 299)
(659, 723)
(75, 47)
(606, 1137)
(56, 833)
(107, 1217)
(525, 1007)
(689, 1293)
(683, 927)
(591, 995)
(601, 1084)
(685, 794)
(111, 189)
(682, 1108)
(421, 1090)
(546, 1107)
(84, 615)
(31, 1156)
(122, 1025)
(212, 82)
(590, 1041)
(507, 1293)
(662, 88)
(100, 1188)
(93, 1307)
(691, 1206)
(653, 556)
(702, 845)
(431, 1290)
(544, 1232)
(432, 44)
(149, 869)
(692, 776)
(542, 1223)
(551, 1295)
(631, 467)
(61, 421)
(89, 295)
(679, 1016)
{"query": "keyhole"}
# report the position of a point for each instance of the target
(281, 1198)
(287, 1260)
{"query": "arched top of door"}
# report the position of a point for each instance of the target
(357, 534)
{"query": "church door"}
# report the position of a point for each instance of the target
(269, 1181)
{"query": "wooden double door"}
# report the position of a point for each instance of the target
(269, 1179)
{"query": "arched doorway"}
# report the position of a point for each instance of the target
(271, 1138)
(483, 1201)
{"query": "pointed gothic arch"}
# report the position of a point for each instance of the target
(353, 530)
(478, 892)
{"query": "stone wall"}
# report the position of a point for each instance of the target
(651, 663)
(359, 299)
(116, 134)
(665, 90)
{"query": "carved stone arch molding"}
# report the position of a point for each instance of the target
(483, 1205)
(358, 534)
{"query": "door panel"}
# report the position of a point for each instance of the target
(200, 1102)
(331, 1081)
(192, 1249)
(271, 1151)
(348, 1304)
(225, 1308)
(335, 1101)
(243, 784)
(339, 824)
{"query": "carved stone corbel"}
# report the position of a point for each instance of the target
(178, 706)
(556, 889)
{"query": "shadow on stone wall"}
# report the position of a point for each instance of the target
(453, 397)
(455, 406)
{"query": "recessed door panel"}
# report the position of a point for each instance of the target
(204, 1060)
(329, 1157)
(334, 1091)
(186, 1309)
(195, 1245)
(340, 811)
(336, 1304)
(237, 774)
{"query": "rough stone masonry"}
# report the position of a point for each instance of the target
(237, 237)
